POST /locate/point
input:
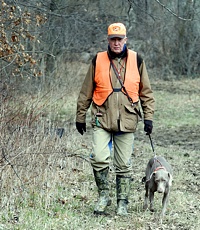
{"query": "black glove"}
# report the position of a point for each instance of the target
(148, 126)
(81, 127)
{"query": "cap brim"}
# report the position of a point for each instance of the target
(116, 36)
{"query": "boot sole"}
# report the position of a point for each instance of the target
(103, 213)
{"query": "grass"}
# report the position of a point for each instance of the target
(47, 181)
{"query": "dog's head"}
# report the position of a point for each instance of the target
(162, 176)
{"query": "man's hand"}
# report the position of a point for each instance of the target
(81, 127)
(148, 126)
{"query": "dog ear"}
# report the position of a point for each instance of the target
(154, 173)
(170, 179)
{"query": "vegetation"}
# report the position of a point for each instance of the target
(46, 180)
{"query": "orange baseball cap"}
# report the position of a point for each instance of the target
(116, 30)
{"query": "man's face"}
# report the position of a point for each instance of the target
(117, 44)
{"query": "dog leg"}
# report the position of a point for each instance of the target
(146, 197)
(164, 203)
(151, 199)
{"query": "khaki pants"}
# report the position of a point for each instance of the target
(102, 150)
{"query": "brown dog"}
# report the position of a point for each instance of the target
(158, 178)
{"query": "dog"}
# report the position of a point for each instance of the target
(158, 178)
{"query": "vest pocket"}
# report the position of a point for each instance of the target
(129, 118)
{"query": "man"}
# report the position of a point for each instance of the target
(116, 81)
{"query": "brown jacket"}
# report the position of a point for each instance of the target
(116, 114)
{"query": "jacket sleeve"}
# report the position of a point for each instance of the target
(146, 94)
(85, 96)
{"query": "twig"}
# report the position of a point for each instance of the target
(9, 163)
(80, 156)
(172, 12)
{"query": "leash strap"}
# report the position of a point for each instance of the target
(123, 87)
(152, 145)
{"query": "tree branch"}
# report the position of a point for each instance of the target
(172, 12)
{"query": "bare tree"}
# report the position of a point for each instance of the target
(34, 35)
(170, 30)
(19, 41)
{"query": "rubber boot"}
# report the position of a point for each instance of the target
(101, 178)
(123, 189)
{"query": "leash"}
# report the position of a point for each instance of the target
(151, 142)
(155, 156)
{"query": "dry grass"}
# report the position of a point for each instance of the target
(47, 183)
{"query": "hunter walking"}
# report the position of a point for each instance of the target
(116, 82)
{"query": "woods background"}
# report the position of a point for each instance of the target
(39, 39)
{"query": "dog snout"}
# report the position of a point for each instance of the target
(160, 188)
(160, 191)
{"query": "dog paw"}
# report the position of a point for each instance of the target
(145, 206)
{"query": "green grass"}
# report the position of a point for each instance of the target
(47, 182)
(175, 109)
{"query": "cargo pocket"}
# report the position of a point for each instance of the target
(130, 118)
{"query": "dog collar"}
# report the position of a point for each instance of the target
(158, 168)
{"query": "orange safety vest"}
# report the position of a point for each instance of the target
(103, 81)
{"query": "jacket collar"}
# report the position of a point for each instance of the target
(113, 55)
